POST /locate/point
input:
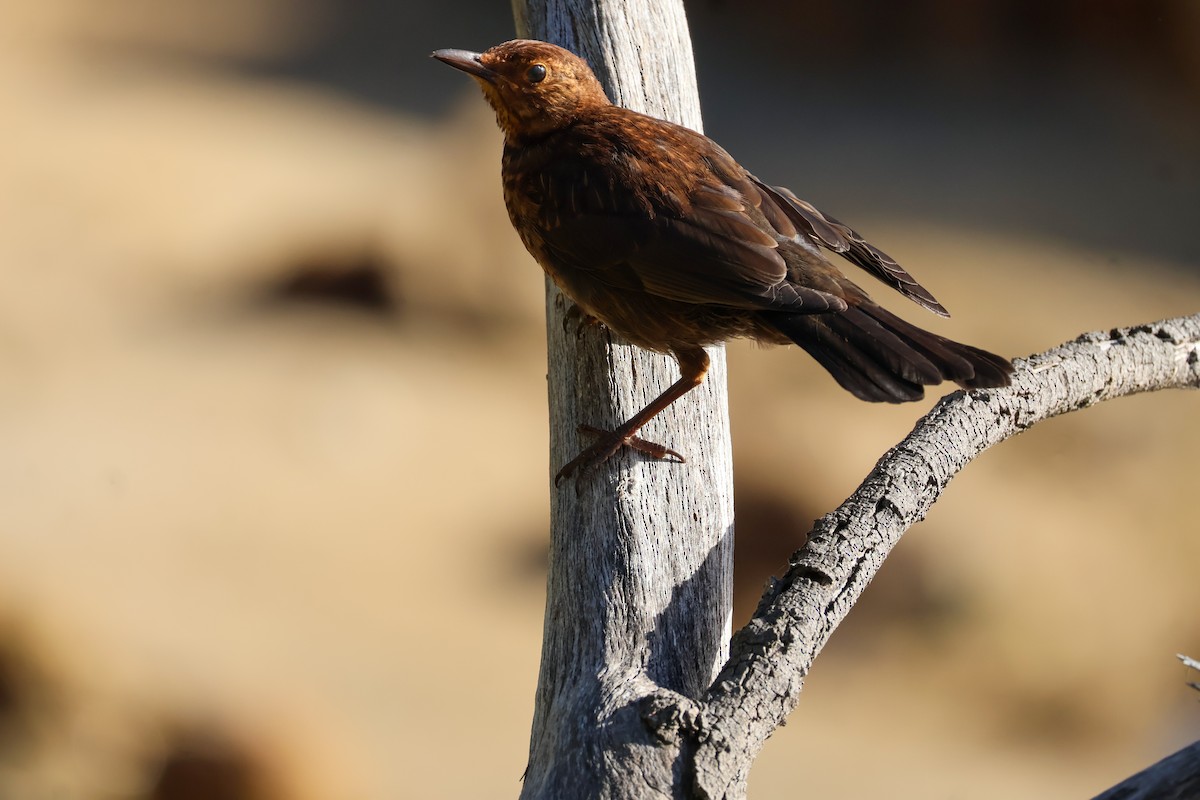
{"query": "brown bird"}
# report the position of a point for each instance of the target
(655, 231)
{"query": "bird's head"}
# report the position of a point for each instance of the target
(535, 87)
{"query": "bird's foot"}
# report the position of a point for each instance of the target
(607, 446)
(582, 320)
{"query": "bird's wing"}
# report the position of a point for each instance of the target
(843, 240)
(712, 246)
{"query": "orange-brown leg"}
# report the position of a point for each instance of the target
(693, 363)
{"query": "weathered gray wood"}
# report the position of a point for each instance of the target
(1176, 777)
(639, 585)
(639, 593)
(771, 655)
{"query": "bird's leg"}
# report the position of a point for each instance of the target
(693, 363)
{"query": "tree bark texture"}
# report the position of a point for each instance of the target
(714, 741)
(639, 593)
(1176, 777)
(770, 656)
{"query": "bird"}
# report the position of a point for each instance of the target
(655, 231)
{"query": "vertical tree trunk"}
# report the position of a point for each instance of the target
(639, 592)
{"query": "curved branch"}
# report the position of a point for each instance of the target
(1176, 777)
(771, 655)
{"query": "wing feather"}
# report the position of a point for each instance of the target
(845, 241)
(715, 246)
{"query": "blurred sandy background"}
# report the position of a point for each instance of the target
(273, 478)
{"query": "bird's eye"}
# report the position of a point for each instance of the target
(536, 73)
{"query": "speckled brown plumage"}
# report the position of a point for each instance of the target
(657, 232)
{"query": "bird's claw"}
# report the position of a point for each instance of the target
(582, 320)
(609, 443)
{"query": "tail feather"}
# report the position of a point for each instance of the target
(879, 357)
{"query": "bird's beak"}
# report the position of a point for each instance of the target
(467, 61)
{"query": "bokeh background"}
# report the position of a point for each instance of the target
(273, 479)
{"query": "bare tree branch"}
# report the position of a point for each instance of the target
(772, 654)
(1190, 663)
(638, 593)
(1176, 777)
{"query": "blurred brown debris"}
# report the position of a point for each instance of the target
(205, 765)
(363, 281)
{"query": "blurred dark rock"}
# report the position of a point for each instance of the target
(201, 765)
(363, 281)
